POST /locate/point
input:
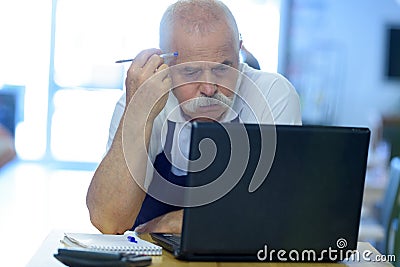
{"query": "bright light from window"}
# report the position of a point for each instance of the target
(80, 123)
(91, 35)
(24, 60)
(258, 22)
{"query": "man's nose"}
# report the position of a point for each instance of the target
(208, 89)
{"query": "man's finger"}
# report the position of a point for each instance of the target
(152, 65)
(141, 59)
(141, 228)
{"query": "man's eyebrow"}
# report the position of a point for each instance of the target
(227, 62)
(186, 68)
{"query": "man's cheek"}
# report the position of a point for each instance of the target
(182, 93)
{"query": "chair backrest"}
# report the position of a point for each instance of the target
(391, 205)
(396, 241)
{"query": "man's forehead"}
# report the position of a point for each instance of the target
(212, 46)
(200, 64)
(208, 53)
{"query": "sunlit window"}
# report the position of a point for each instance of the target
(25, 28)
(80, 123)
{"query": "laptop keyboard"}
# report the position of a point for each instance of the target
(173, 239)
(170, 242)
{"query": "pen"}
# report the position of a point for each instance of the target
(166, 55)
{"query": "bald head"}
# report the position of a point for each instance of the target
(197, 17)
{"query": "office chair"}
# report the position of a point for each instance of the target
(380, 230)
(394, 240)
(391, 208)
(396, 248)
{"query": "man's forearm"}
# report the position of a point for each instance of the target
(114, 198)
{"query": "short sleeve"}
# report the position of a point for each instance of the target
(115, 120)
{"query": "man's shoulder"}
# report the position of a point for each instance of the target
(260, 76)
(264, 81)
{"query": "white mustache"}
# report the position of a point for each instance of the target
(203, 101)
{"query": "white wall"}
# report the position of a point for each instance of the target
(359, 27)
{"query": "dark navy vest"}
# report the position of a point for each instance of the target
(151, 207)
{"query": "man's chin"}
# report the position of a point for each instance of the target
(207, 116)
(204, 119)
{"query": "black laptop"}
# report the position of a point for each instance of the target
(304, 204)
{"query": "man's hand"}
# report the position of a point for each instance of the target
(148, 82)
(167, 223)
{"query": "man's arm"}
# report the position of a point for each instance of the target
(114, 196)
(170, 222)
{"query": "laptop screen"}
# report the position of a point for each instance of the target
(307, 196)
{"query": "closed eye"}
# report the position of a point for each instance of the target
(190, 71)
(220, 69)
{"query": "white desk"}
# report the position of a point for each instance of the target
(44, 257)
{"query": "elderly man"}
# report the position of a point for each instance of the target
(204, 82)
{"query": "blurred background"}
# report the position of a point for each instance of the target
(59, 85)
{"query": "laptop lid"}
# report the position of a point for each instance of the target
(307, 198)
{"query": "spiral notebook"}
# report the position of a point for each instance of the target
(128, 242)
